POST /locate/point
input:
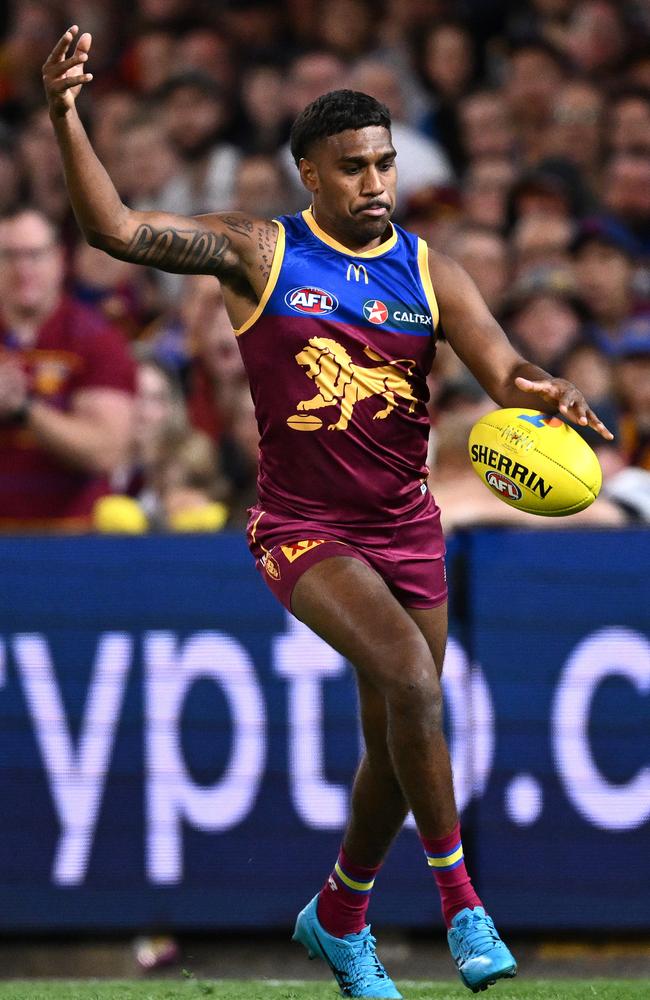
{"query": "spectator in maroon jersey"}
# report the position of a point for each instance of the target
(66, 382)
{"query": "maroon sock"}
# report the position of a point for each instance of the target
(446, 860)
(343, 900)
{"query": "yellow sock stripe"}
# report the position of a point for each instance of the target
(451, 859)
(359, 886)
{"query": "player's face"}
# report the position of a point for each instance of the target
(352, 178)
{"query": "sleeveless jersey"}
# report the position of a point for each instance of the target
(337, 353)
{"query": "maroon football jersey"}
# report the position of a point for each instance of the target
(337, 355)
(75, 350)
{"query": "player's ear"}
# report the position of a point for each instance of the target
(308, 174)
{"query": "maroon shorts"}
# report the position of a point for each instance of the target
(408, 555)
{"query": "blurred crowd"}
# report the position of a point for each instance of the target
(523, 136)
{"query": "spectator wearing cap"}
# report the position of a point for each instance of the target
(66, 385)
(604, 255)
(544, 315)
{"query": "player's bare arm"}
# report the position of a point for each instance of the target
(481, 344)
(234, 248)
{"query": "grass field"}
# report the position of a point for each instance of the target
(190, 988)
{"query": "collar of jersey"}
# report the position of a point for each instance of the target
(320, 234)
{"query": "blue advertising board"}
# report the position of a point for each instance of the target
(559, 623)
(176, 751)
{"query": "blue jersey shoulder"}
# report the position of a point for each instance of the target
(319, 278)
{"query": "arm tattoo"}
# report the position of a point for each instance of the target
(184, 251)
(266, 239)
(238, 224)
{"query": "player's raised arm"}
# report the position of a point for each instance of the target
(481, 344)
(227, 246)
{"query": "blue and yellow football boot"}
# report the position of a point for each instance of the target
(352, 959)
(479, 953)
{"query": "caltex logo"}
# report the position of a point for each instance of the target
(375, 311)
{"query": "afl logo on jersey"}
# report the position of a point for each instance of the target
(314, 301)
(375, 311)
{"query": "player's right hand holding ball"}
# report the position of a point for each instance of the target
(63, 76)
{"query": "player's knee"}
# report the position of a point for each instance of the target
(416, 693)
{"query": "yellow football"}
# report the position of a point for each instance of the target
(534, 462)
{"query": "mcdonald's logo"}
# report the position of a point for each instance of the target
(358, 270)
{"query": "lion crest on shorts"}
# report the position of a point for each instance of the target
(342, 383)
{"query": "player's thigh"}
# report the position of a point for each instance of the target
(348, 604)
(433, 623)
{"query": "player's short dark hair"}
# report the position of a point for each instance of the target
(333, 113)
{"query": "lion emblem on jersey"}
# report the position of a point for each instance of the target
(342, 383)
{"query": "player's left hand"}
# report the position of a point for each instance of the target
(13, 388)
(569, 401)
